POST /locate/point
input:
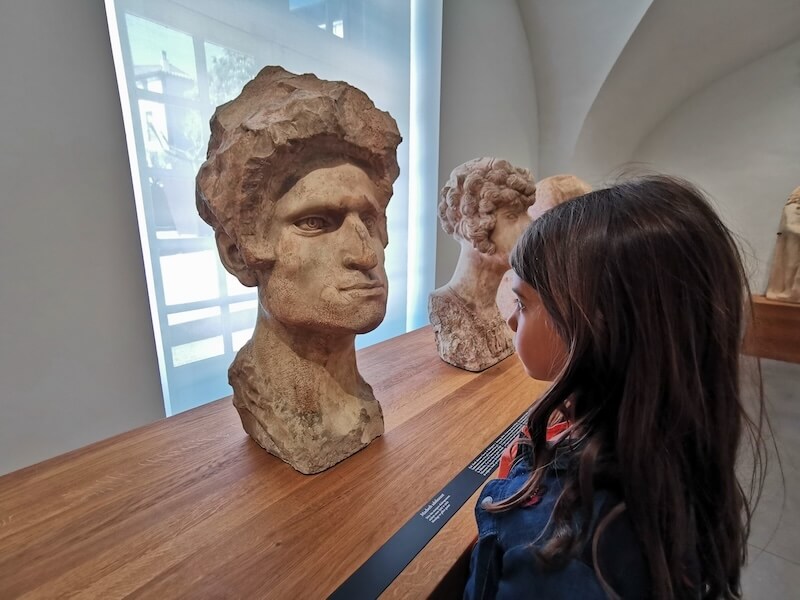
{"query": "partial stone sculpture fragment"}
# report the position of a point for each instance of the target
(557, 189)
(784, 280)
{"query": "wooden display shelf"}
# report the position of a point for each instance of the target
(774, 331)
(191, 507)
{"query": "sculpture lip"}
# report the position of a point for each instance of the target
(364, 285)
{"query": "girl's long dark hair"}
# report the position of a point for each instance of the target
(646, 286)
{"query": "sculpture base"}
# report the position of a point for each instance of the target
(297, 410)
(464, 339)
(314, 451)
(472, 363)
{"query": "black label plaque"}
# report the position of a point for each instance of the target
(380, 569)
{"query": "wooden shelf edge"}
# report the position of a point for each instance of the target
(774, 330)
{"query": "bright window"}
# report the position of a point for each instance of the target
(176, 61)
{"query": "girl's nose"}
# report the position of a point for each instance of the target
(512, 321)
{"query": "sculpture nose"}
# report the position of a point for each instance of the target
(359, 253)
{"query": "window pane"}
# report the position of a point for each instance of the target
(179, 61)
(239, 306)
(163, 58)
(173, 209)
(228, 71)
(240, 338)
(193, 315)
(174, 136)
(190, 277)
(184, 354)
(235, 288)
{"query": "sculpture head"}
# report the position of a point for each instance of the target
(296, 184)
(554, 190)
(485, 203)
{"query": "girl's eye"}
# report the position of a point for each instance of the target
(312, 224)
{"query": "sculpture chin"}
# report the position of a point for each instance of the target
(340, 312)
(369, 325)
(353, 311)
(369, 307)
(367, 318)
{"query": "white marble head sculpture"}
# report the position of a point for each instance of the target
(484, 207)
(784, 280)
(296, 184)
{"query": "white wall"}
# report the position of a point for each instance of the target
(739, 139)
(678, 48)
(488, 103)
(77, 355)
(573, 46)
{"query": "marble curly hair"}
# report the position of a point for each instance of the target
(475, 191)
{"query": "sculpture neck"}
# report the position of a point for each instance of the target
(335, 353)
(477, 278)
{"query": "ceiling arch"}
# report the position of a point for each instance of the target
(678, 48)
(573, 46)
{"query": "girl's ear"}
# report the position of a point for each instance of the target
(233, 261)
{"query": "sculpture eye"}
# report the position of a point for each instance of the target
(312, 224)
(512, 216)
(370, 222)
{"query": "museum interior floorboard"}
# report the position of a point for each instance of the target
(774, 553)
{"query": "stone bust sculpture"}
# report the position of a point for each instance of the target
(550, 191)
(784, 280)
(484, 207)
(556, 189)
(296, 183)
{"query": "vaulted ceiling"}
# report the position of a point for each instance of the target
(606, 73)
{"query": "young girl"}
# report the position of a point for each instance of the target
(632, 301)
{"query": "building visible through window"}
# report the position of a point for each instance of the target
(179, 60)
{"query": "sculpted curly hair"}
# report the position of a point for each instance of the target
(475, 191)
(280, 128)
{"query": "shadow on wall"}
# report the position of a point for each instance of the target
(738, 139)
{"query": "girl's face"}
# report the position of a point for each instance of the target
(539, 347)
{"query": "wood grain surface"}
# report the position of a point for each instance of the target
(429, 575)
(774, 331)
(191, 507)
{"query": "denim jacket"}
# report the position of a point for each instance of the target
(503, 564)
